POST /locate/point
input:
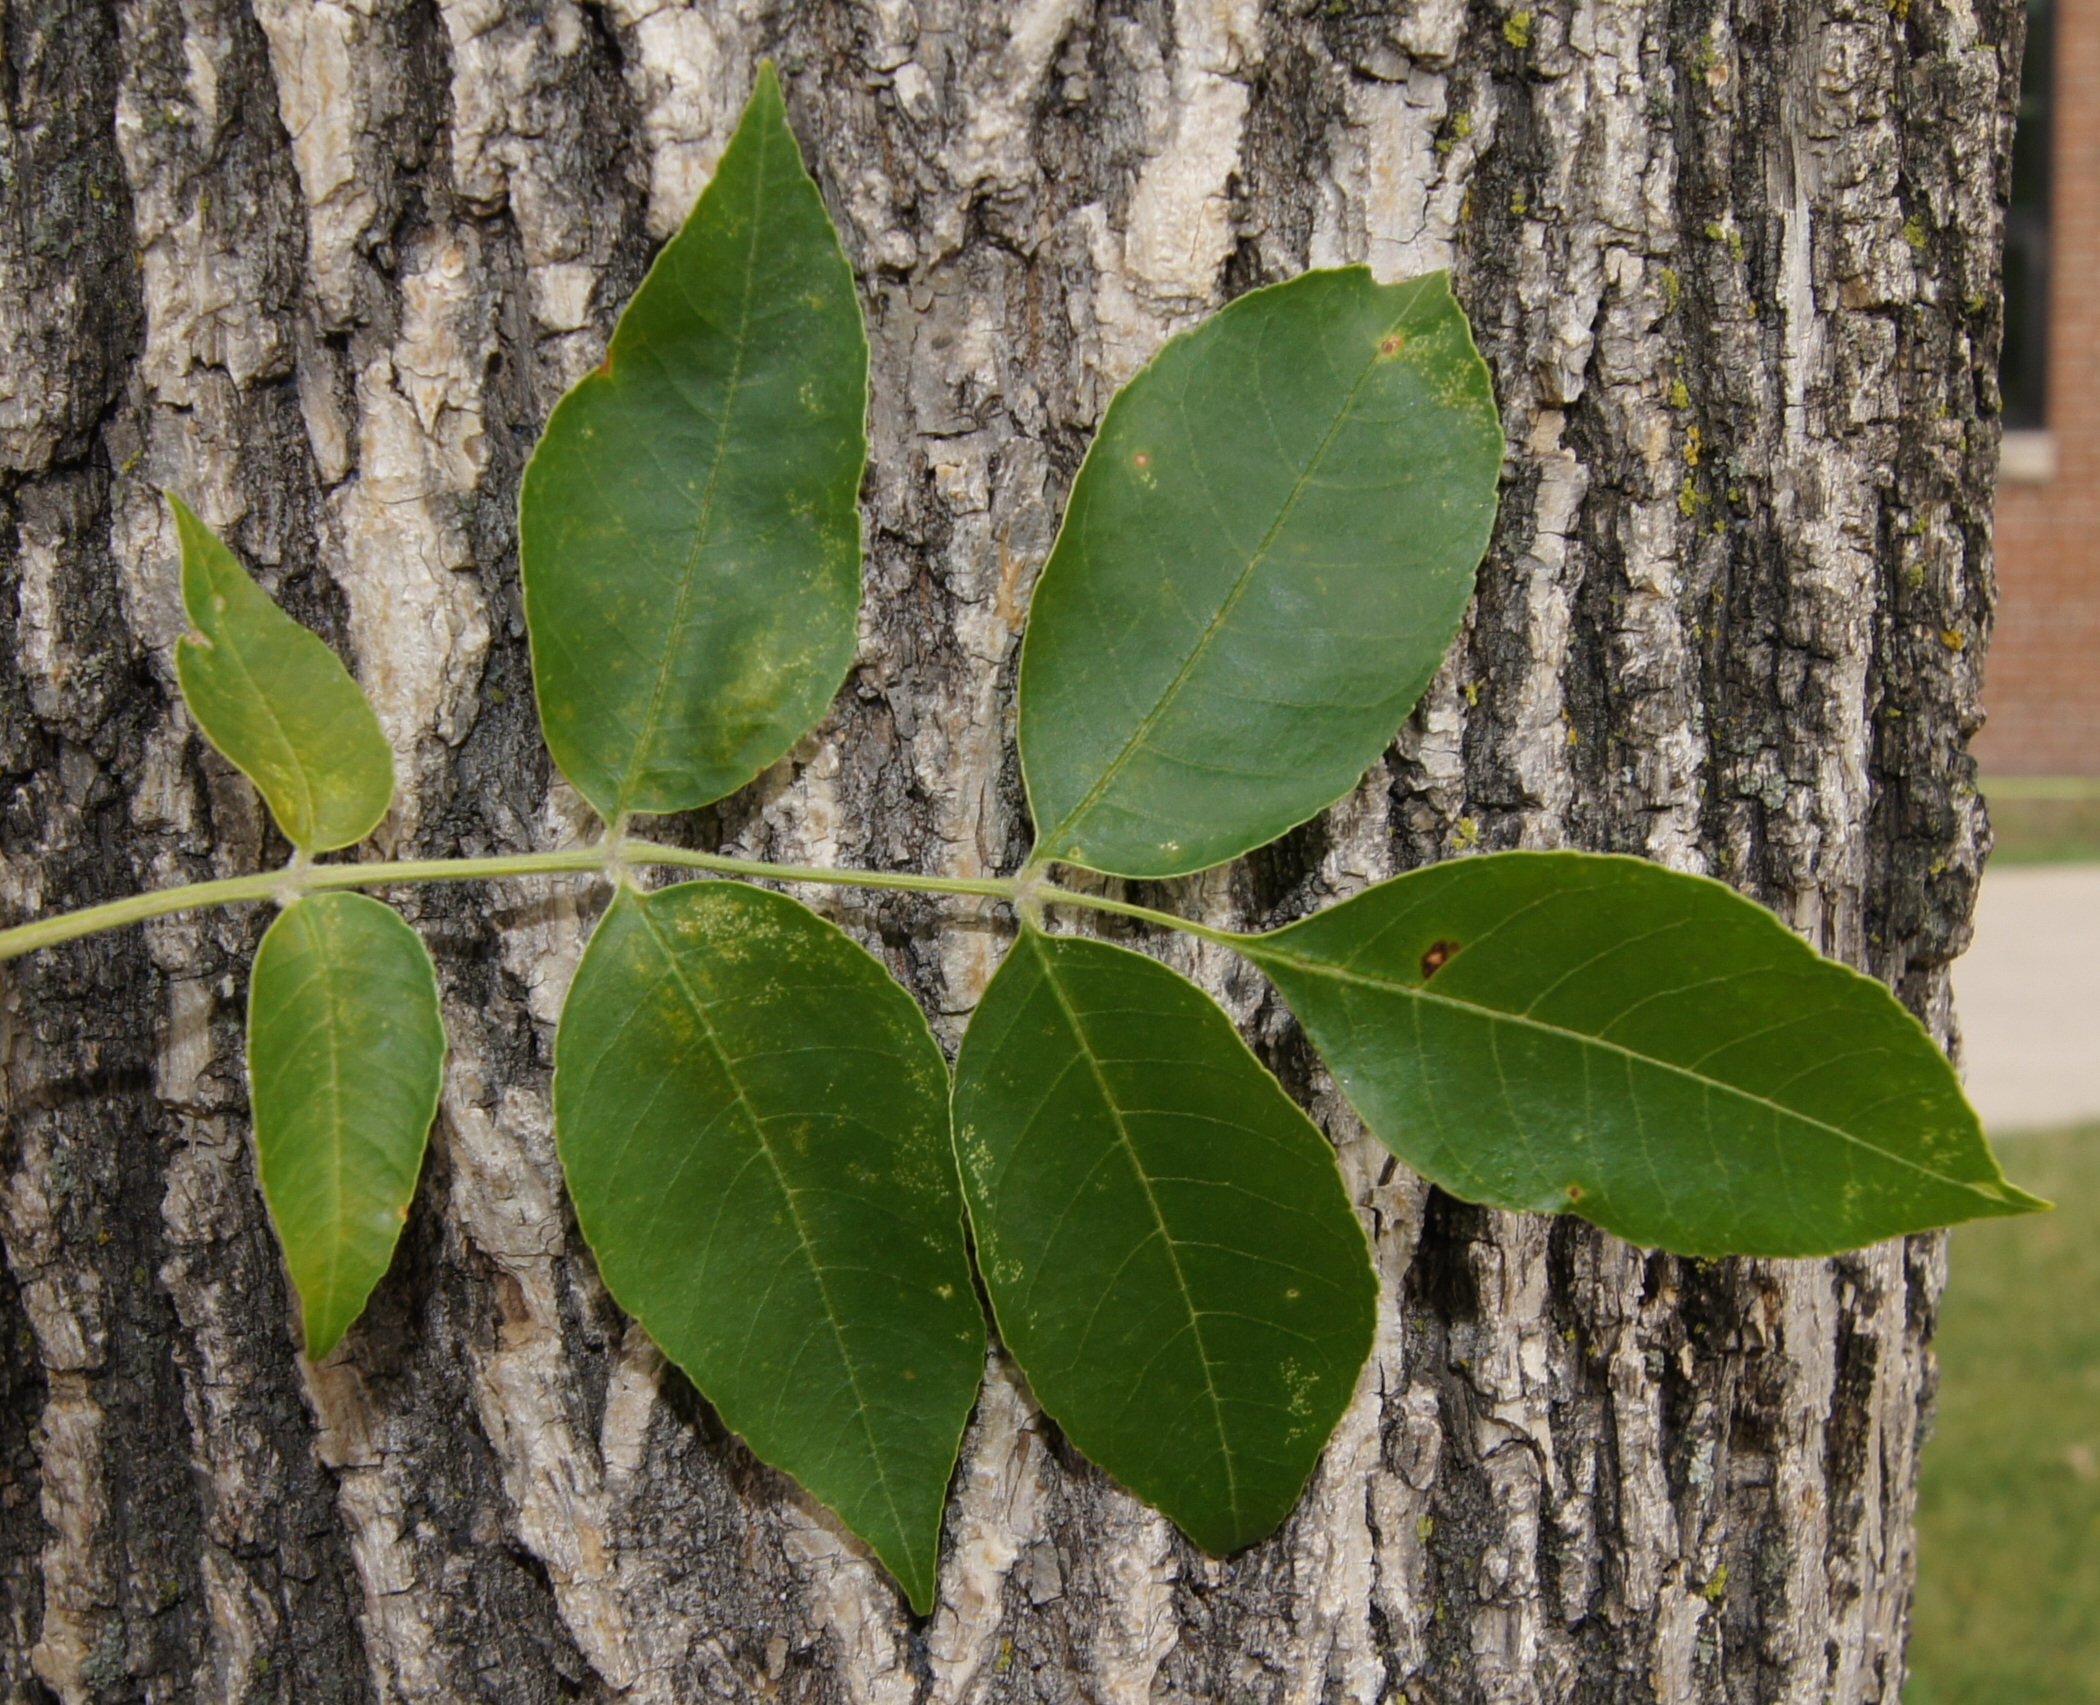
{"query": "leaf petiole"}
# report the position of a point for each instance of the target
(288, 883)
(1051, 895)
(649, 852)
(608, 856)
(282, 886)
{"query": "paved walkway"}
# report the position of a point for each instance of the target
(2028, 997)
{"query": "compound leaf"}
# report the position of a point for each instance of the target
(1570, 1032)
(1169, 1249)
(346, 1054)
(276, 701)
(1269, 546)
(753, 1118)
(688, 529)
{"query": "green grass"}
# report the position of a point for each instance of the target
(2044, 819)
(2008, 1606)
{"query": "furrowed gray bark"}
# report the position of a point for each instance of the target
(324, 265)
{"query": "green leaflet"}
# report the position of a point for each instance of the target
(346, 1054)
(689, 532)
(1169, 1249)
(1267, 551)
(276, 701)
(753, 1119)
(1575, 1032)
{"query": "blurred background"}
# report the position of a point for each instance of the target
(2008, 1606)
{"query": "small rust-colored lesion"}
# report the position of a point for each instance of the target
(1391, 344)
(1438, 956)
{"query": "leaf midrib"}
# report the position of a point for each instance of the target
(1159, 1221)
(1216, 625)
(236, 655)
(645, 744)
(1494, 1015)
(817, 1268)
(314, 930)
(332, 1000)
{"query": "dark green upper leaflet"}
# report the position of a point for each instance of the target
(1584, 1033)
(276, 701)
(753, 1119)
(689, 531)
(1168, 1245)
(1268, 549)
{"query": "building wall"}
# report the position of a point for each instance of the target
(2042, 677)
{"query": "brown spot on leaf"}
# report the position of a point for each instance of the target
(1437, 957)
(1143, 458)
(1574, 1192)
(1392, 343)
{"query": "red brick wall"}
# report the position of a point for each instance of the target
(2042, 676)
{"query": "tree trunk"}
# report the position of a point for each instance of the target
(323, 266)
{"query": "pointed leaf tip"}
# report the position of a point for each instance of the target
(276, 702)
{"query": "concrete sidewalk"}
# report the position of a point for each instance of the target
(2027, 995)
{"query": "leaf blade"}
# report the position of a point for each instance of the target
(1211, 565)
(752, 1117)
(346, 1053)
(1544, 1031)
(689, 529)
(276, 702)
(1170, 1252)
